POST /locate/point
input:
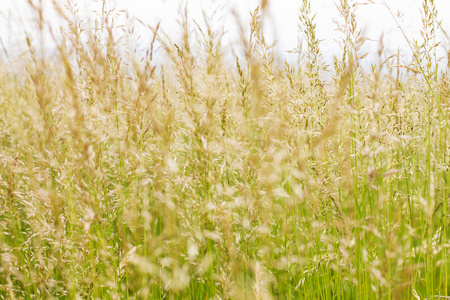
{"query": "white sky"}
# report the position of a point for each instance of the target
(281, 24)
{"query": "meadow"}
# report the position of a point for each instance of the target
(210, 177)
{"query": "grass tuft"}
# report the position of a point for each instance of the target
(185, 173)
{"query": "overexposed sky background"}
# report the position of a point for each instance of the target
(281, 24)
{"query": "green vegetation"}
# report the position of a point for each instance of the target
(216, 179)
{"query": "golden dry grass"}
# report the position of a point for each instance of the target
(216, 179)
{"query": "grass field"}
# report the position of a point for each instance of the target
(211, 178)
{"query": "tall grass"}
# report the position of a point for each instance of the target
(214, 178)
